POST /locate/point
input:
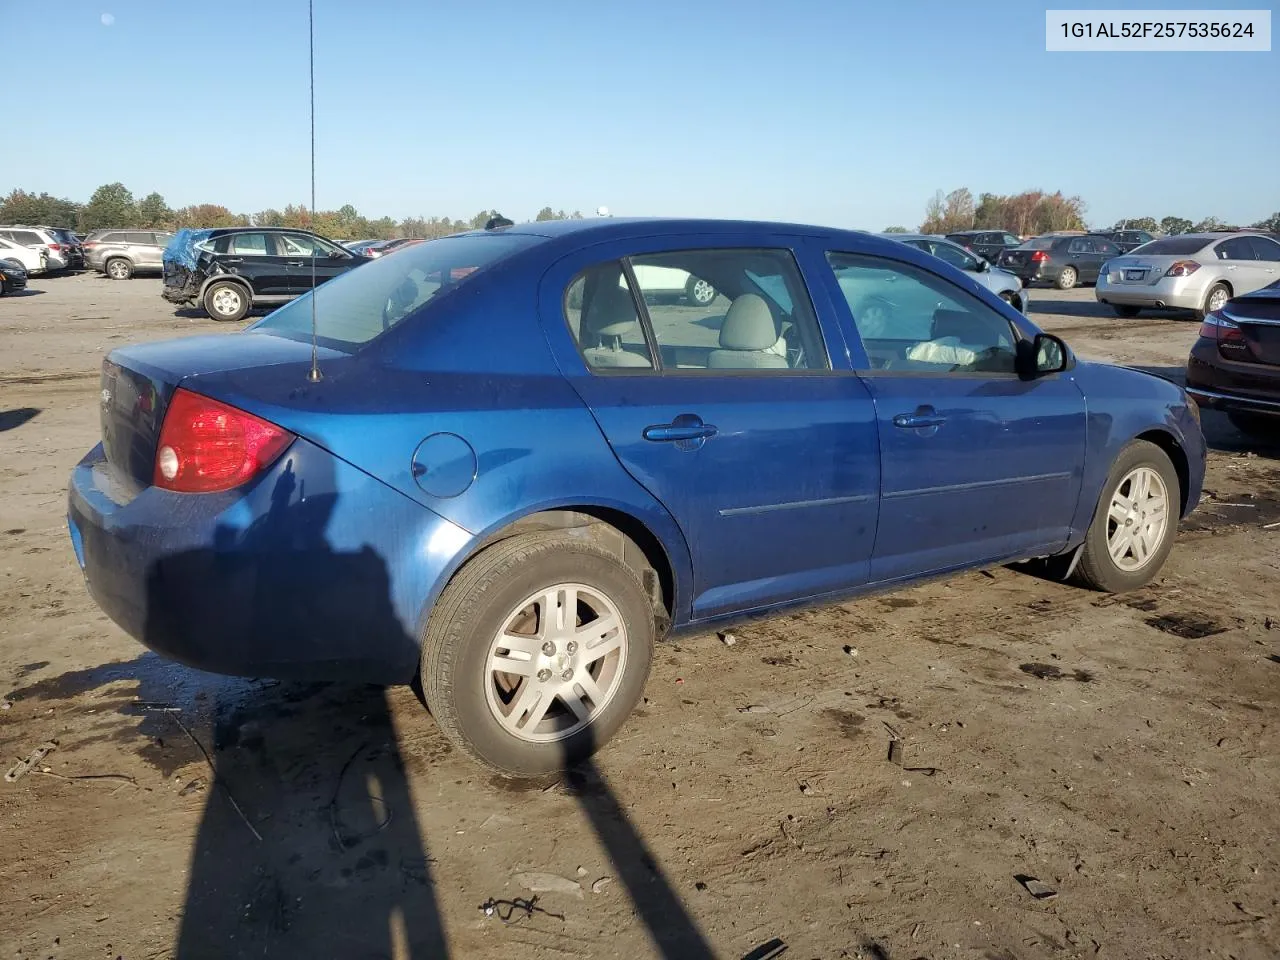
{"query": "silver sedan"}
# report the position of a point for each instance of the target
(1191, 271)
(1002, 283)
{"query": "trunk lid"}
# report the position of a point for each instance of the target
(1258, 318)
(138, 382)
(1138, 270)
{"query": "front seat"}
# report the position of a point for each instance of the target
(748, 337)
(611, 316)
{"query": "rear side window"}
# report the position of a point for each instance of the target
(249, 244)
(600, 306)
(1237, 248)
(363, 303)
(27, 238)
(112, 238)
(1106, 248)
(1038, 243)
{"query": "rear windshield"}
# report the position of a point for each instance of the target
(1174, 246)
(1038, 243)
(372, 298)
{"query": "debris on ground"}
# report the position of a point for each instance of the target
(1033, 886)
(548, 883)
(754, 708)
(728, 639)
(23, 767)
(599, 885)
(807, 790)
(516, 909)
(195, 786)
(767, 951)
(897, 752)
(850, 651)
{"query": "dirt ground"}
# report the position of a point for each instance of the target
(1084, 775)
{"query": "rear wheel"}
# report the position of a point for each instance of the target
(1135, 522)
(1215, 299)
(1260, 426)
(1125, 310)
(699, 292)
(119, 268)
(536, 652)
(1067, 278)
(226, 301)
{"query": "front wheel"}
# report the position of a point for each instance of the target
(1135, 522)
(1067, 278)
(226, 301)
(536, 652)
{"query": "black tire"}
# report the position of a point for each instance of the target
(1096, 569)
(220, 305)
(470, 612)
(1209, 296)
(1258, 426)
(118, 268)
(699, 292)
(1125, 310)
(1067, 279)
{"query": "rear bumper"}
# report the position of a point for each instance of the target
(1178, 293)
(314, 571)
(1222, 384)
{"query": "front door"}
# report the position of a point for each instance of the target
(977, 464)
(253, 256)
(728, 413)
(298, 248)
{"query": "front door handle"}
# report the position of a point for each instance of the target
(921, 419)
(294, 263)
(686, 431)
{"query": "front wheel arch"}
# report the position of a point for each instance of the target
(1177, 456)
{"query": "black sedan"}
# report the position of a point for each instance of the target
(13, 276)
(1128, 240)
(1063, 261)
(988, 244)
(1235, 364)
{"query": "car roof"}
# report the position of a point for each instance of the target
(621, 228)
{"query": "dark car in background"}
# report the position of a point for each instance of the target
(122, 253)
(13, 276)
(1128, 240)
(988, 244)
(1063, 261)
(228, 271)
(1235, 364)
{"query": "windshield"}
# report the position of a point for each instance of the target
(372, 298)
(1172, 246)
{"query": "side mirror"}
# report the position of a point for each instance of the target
(983, 266)
(1044, 355)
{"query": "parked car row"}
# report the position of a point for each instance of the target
(61, 247)
(121, 254)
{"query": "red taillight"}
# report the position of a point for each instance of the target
(89, 243)
(1040, 256)
(206, 446)
(55, 247)
(1183, 268)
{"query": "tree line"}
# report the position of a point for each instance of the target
(113, 205)
(1035, 212)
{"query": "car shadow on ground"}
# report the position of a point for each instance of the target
(308, 844)
(12, 419)
(26, 292)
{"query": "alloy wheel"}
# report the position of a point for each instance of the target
(1138, 519)
(556, 662)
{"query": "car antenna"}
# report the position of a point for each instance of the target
(314, 375)
(498, 221)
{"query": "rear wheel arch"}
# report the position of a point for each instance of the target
(227, 278)
(621, 533)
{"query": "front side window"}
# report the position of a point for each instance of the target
(1010, 240)
(954, 256)
(249, 245)
(913, 321)
(1264, 248)
(301, 245)
(1106, 248)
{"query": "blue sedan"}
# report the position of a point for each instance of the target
(507, 463)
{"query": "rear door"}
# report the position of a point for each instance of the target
(977, 464)
(1267, 253)
(1241, 268)
(254, 256)
(1105, 250)
(142, 248)
(732, 415)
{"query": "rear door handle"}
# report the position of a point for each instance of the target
(686, 427)
(919, 419)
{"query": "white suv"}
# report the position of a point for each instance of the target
(38, 238)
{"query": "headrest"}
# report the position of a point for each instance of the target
(748, 325)
(612, 312)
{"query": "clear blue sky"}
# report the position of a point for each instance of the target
(835, 112)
